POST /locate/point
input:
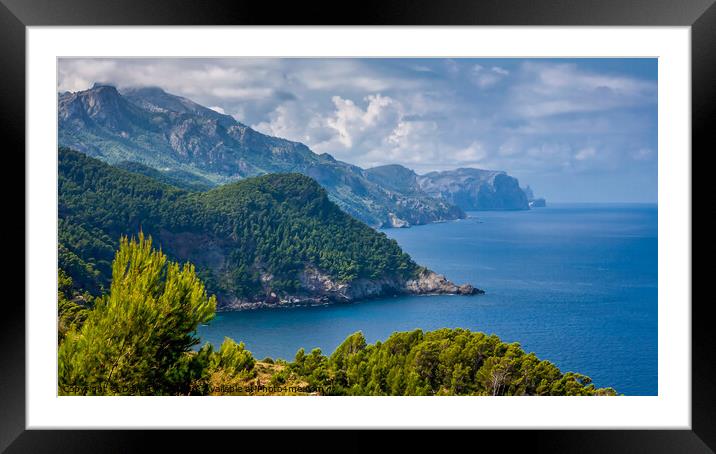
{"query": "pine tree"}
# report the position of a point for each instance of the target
(136, 340)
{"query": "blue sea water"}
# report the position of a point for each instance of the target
(576, 284)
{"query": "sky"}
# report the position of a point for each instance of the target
(575, 130)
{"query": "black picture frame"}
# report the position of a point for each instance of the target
(16, 15)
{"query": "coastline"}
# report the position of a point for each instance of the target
(327, 292)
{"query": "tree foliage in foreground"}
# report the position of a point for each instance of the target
(442, 362)
(138, 339)
(72, 308)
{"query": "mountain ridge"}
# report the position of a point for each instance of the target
(174, 134)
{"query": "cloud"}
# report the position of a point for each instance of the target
(242, 93)
(352, 130)
(378, 131)
(553, 89)
(372, 131)
(295, 121)
(473, 154)
(350, 121)
(83, 74)
(218, 109)
(484, 77)
(585, 153)
(346, 75)
(452, 66)
(500, 71)
(415, 143)
(510, 147)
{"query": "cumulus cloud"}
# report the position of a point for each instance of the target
(352, 122)
(296, 121)
(371, 131)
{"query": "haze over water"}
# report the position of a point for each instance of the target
(576, 284)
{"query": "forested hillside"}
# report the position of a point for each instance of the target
(270, 239)
(178, 178)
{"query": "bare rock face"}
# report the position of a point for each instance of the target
(320, 289)
(396, 222)
(429, 283)
(315, 282)
(321, 284)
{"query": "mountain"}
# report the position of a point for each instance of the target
(470, 189)
(175, 135)
(395, 177)
(535, 202)
(270, 240)
(475, 189)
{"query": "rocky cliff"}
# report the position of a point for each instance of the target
(534, 202)
(470, 189)
(318, 288)
(475, 189)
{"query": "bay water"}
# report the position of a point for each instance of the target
(576, 284)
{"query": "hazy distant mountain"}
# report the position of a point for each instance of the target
(534, 202)
(470, 189)
(175, 135)
(475, 189)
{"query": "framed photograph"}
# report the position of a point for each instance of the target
(412, 216)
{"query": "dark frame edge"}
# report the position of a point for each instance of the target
(12, 118)
(703, 108)
(368, 12)
(702, 437)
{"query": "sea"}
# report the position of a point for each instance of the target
(574, 283)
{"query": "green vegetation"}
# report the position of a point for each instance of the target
(135, 340)
(72, 307)
(271, 226)
(178, 178)
(138, 339)
(442, 362)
